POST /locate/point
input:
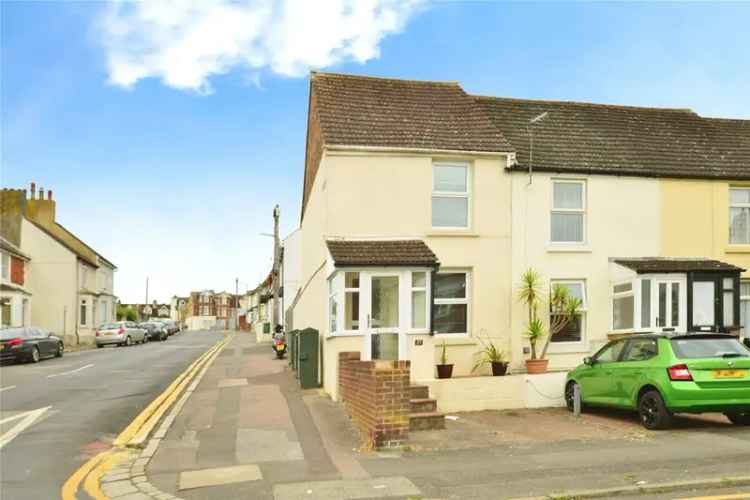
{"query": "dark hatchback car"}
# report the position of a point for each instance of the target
(155, 331)
(29, 344)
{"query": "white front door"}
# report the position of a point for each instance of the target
(382, 315)
(670, 305)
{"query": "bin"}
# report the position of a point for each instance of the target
(308, 346)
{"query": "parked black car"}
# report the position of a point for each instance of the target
(155, 330)
(29, 344)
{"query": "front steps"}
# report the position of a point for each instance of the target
(423, 412)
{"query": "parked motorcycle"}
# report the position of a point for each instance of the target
(279, 344)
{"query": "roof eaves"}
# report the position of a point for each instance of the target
(107, 261)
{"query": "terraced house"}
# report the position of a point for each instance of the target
(422, 206)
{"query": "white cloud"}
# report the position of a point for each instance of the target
(184, 42)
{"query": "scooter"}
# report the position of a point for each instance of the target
(279, 345)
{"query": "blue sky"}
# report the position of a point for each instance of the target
(172, 173)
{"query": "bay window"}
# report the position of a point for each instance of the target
(739, 216)
(568, 217)
(623, 306)
(450, 195)
(745, 308)
(574, 330)
(351, 301)
(332, 307)
(451, 303)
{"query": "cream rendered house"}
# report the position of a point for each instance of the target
(422, 205)
(15, 297)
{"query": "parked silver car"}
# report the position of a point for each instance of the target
(120, 333)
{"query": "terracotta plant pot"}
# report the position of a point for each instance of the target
(444, 371)
(499, 368)
(536, 365)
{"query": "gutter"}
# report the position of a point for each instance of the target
(389, 149)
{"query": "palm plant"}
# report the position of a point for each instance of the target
(535, 333)
(562, 309)
(530, 294)
(489, 354)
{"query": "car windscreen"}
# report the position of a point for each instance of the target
(13, 333)
(110, 326)
(687, 348)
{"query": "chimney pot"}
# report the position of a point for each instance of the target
(49, 195)
(33, 190)
(41, 193)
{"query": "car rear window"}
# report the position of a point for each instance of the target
(12, 333)
(709, 348)
(110, 326)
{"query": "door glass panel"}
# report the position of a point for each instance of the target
(384, 346)
(675, 304)
(385, 301)
(728, 308)
(662, 319)
(703, 303)
(418, 309)
(351, 304)
(646, 304)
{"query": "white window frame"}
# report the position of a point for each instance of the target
(332, 299)
(577, 345)
(347, 291)
(426, 289)
(737, 205)
(619, 295)
(6, 267)
(744, 298)
(452, 194)
(466, 300)
(582, 211)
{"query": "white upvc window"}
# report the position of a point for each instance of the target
(575, 330)
(6, 267)
(568, 216)
(351, 301)
(745, 308)
(623, 306)
(420, 307)
(451, 195)
(739, 216)
(451, 302)
(332, 307)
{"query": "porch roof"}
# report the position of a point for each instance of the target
(675, 265)
(381, 253)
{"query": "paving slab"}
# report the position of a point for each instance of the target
(260, 445)
(219, 476)
(350, 489)
(232, 382)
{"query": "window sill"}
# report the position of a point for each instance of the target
(555, 248)
(453, 339)
(737, 249)
(452, 233)
(343, 335)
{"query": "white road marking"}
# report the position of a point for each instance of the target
(71, 371)
(28, 417)
(7, 388)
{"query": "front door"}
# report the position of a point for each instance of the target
(669, 302)
(382, 327)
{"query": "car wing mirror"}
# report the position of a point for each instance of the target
(589, 361)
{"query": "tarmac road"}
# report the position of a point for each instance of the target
(56, 414)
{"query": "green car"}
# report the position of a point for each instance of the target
(662, 374)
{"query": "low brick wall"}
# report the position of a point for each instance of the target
(376, 395)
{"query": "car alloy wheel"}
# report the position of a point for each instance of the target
(35, 355)
(128, 342)
(653, 412)
(739, 418)
(60, 349)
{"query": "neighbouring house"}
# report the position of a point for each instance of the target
(178, 309)
(201, 310)
(263, 317)
(152, 310)
(15, 297)
(72, 284)
(422, 205)
(226, 310)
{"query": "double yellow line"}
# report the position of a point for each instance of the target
(136, 433)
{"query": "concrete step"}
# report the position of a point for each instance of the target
(423, 405)
(426, 421)
(420, 391)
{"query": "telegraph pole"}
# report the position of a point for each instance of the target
(275, 271)
(236, 303)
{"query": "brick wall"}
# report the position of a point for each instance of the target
(376, 395)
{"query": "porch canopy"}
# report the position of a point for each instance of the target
(674, 294)
(381, 253)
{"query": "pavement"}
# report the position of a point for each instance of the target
(56, 414)
(248, 431)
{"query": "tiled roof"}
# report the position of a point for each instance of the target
(390, 113)
(623, 140)
(674, 265)
(381, 253)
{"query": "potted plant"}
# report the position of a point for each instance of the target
(444, 370)
(562, 307)
(492, 355)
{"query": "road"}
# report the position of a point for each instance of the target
(68, 409)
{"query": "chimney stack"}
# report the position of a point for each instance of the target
(49, 195)
(33, 190)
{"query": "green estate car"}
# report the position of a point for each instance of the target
(662, 374)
